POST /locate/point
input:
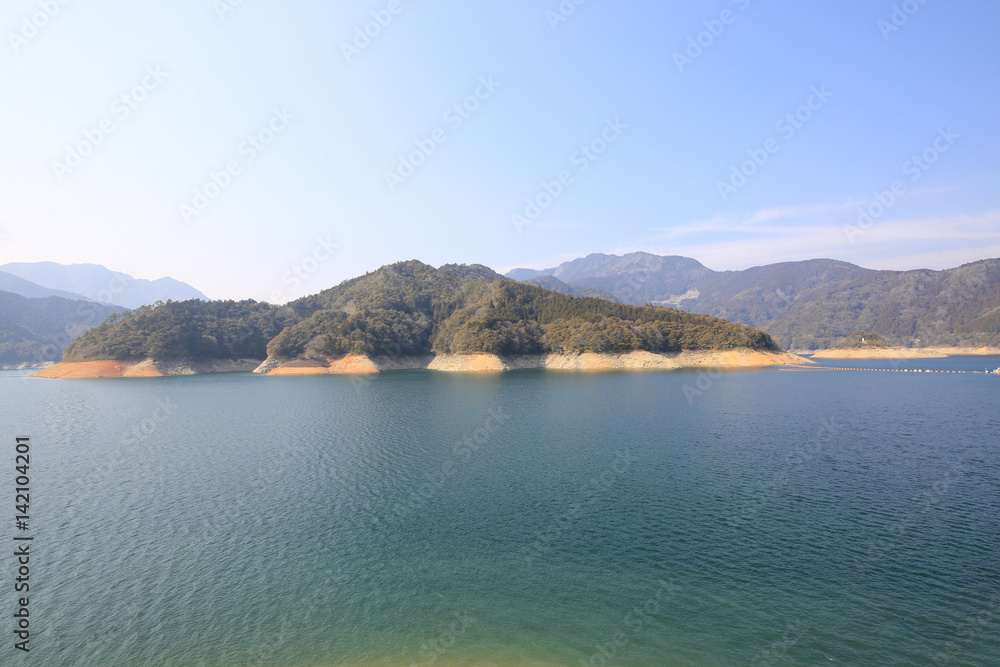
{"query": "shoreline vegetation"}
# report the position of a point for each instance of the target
(450, 363)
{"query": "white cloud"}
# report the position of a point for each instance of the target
(796, 233)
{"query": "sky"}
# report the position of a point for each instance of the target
(267, 150)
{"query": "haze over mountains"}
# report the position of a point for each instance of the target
(16, 285)
(44, 306)
(34, 331)
(804, 305)
(97, 283)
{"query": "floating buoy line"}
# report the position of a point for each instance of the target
(801, 367)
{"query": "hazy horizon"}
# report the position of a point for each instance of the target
(224, 143)
(293, 278)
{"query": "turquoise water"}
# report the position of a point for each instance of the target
(757, 517)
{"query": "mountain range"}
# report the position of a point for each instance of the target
(16, 285)
(804, 305)
(44, 306)
(94, 282)
(406, 310)
(413, 308)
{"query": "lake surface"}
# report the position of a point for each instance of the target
(757, 517)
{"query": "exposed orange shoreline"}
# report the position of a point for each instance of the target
(454, 363)
(480, 363)
(349, 365)
(70, 370)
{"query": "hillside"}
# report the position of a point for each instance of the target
(810, 304)
(556, 285)
(922, 308)
(34, 331)
(192, 329)
(409, 309)
(98, 283)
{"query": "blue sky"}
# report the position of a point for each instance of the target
(254, 148)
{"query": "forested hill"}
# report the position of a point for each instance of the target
(192, 329)
(959, 306)
(35, 330)
(410, 308)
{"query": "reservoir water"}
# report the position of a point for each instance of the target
(758, 517)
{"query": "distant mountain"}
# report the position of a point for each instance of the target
(637, 278)
(409, 309)
(959, 306)
(612, 267)
(556, 285)
(805, 305)
(35, 331)
(11, 283)
(98, 283)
